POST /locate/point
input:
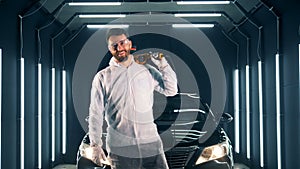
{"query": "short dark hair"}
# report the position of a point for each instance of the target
(115, 32)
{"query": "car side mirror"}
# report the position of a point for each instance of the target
(226, 118)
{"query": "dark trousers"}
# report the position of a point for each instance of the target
(153, 162)
(144, 156)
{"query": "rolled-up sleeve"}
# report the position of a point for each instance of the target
(96, 111)
(169, 82)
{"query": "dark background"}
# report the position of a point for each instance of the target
(289, 82)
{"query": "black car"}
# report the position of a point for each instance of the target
(181, 121)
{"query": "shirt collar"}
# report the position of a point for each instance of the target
(113, 61)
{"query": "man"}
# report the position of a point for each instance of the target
(122, 93)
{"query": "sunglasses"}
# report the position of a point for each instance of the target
(122, 43)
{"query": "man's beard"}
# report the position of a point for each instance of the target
(122, 58)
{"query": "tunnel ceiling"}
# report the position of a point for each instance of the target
(233, 14)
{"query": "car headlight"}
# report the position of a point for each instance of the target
(213, 152)
(86, 151)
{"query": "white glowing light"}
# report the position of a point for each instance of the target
(64, 113)
(202, 2)
(236, 111)
(260, 104)
(39, 115)
(22, 114)
(278, 125)
(94, 3)
(197, 15)
(102, 16)
(106, 26)
(193, 25)
(53, 115)
(248, 111)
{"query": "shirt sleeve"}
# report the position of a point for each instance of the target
(167, 83)
(96, 112)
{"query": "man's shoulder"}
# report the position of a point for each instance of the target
(105, 70)
(102, 72)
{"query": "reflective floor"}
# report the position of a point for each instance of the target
(72, 166)
(65, 166)
(240, 166)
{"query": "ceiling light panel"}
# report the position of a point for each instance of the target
(192, 25)
(102, 16)
(94, 3)
(203, 2)
(107, 26)
(197, 15)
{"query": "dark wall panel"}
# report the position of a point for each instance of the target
(33, 19)
(290, 85)
(269, 51)
(10, 83)
(75, 130)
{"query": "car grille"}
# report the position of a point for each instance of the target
(182, 135)
(177, 157)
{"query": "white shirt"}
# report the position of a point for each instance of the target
(124, 96)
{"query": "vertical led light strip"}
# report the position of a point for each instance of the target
(0, 105)
(53, 115)
(236, 111)
(261, 124)
(299, 55)
(22, 113)
(248, 111)
(64, 113)
(278, 126)
(39, 115)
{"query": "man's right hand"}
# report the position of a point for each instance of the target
(159, 60)
(98, 156)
